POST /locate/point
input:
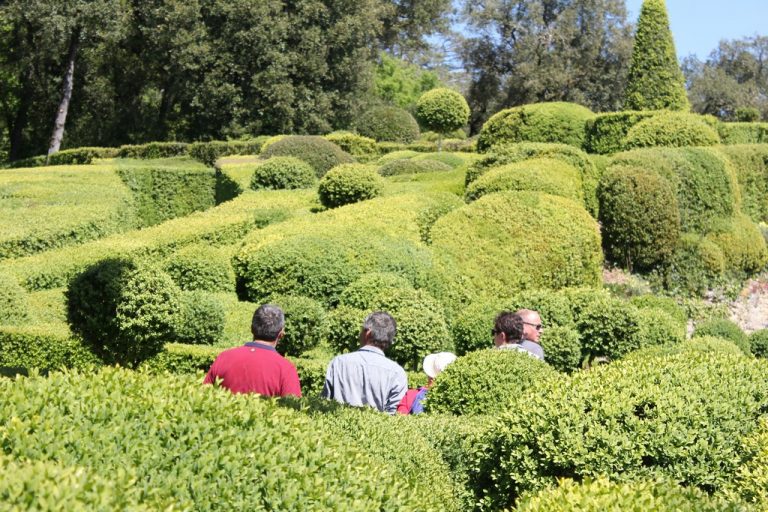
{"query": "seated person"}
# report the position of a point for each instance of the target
(412, 402)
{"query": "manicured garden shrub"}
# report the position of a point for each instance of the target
(202, 318)
(750, 485)
(13, 301)
(153, 150)
(725, 329)
(342, 327)
(640, 217)
(751, 164)
(511, 153)
(602, 495)
(540, 122)
(209, 152)
(472, 326)
(304, 324)
(644, 417)
(673, 129)
(742, 243)
(747, 114)
(606, 131)
(321, 154)
(390, 124)
(187, 446)
(665, 304)
(484, 381)
(520, 240)
(442, 110)
(43, 347)
(609, 328)
(402, 154)
(743, 133)
(562, 348)
(74, 156)
(659, 328)
(452, 160)
(536, 174)
(412, 166)
(698, 264)
(201, 267)
(446, 202)
(554, 307)
(360, 293)
(283, 172)
(349, 183)
(700, 344)
(758, 343)
(363, 149)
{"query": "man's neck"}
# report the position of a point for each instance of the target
(272, 344)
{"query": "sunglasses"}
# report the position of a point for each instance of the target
(535, 326)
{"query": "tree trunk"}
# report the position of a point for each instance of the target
(66, 95)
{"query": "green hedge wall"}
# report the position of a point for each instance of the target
(412, 166)
(742, 243)
(605, 132)
(74, 156)
(201, 267)
(673, 129)
(743, 133)
(520, 240)
(318, 152)
(44, 347)
(751, 164)
(363, 149)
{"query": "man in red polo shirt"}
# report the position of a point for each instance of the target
(256, 367)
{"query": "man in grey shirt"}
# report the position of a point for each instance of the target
(367, 377)
(518, 331)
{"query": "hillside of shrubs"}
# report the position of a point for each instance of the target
(125, 271)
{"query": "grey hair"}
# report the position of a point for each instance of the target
(268, 321)
(382, 328)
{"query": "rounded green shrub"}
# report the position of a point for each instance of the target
(452, 160)
(360, 293)
(304, 324)
(553, 307)
(697, 264)
(742, 243)
(283, 172)
(483, 382)
(562, 348)
(391, 124)
(511, 153)
(536, 174)
(201, 267)
(602, 495)
(363, 149)
(639, 216)
(472, 326)
(412, 166)
(445, 202)
(349, 183)
(659, 328)
(725, 329)
(520, 240)
(539, 122)
(606, 131)
(750, 485)
(758, 343)
(608, 327)
(442, 110)
(665, 304)
(673, 129)
(403, 154)
(321, 154)
(13, 301)
(202, 319)
(679, 416)
(701, 344)
(342, 327)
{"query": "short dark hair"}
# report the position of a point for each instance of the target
(382, 328)
(511, 324)
(268, 321)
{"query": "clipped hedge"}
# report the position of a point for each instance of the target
(666, 304)
(672, 129)
(472, 326)
(562, 348)
(363, 149)
(349, 183)
(304, 324)
(153, 150)
(743, 245)
(743, 133)
(758, 343)
(609, 327)
(283, 172)
(201, 319)
(318, 152)
(657, 327)
(360, 293)
(725, 329)
(536, 174)
(520, 240)
(485, 381)
(13, 301)
(559, 122)
(751, 164)
(445, 202)
(391, 124)
(412, 166)
(74, 156)
(209, 152)
(442, 110)
(644, 417)
(194, 447)
(342, 326)
(43, 347)
(697, 265)
(605, 133)
(640, 217)
(201, 267)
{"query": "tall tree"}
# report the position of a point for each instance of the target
(655, 79)
(407, 23)
(525, 51)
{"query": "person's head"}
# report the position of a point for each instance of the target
(507, 328)
(268, 323)
(434, 364)
(379, 330)
(531, 324)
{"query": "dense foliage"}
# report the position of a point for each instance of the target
(442, 110)
(283, 172)
(318, 152)
(390, 124)
(349, 183)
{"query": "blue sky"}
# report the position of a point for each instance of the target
(699, 25)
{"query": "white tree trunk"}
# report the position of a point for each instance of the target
(66, 95)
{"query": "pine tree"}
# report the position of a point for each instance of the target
(655, 78)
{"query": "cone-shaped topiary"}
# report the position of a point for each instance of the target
(655, 79)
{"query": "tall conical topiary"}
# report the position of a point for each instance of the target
(655, 79)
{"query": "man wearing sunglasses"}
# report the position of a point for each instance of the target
(531, 332)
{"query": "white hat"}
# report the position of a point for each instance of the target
(435, 363)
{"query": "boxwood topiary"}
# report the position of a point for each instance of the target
(659, 328)
(442, 110)
(758, 343)
(13, 301)
(304, 324)
(363, 149)
(202, 319)
(751, 164)
(536, 174)
(554, 307)
(350, 183)
(360, 293)
(520, 240)
(445, 202)
(472, 326)
(402, 154)
(644, 417)
(606, 131)
(697, 265)
(742, 243)
(639, 216)
(412, 166)
(725, 329)
(540, 122)
(283, 172)
(562, 348)
(609, 328)
(484, 381)
(390, 124)
(342, 327)
(674, 129)
(201, 267)
(743, 132)
(452, 160)
(666, 304)
(321, 154)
